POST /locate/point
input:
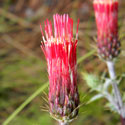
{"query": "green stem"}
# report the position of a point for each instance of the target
(25, 103)
(86, 56)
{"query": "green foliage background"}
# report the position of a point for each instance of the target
(23, 66)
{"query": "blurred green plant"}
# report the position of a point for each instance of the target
(40, 90)
(103, 87)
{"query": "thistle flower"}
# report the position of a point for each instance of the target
(60, 53)
(106, 13)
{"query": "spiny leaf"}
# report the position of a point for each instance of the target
(92, 80)
(111, 107)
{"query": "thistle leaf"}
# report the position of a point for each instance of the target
(111, 107)
(92, 80)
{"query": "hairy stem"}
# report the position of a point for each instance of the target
(62, 123)
(122, 120)
(117, 95)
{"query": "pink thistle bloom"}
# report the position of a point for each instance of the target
(60, 53)
(106, 13)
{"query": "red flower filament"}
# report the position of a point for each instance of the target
(106, 13)
(60, 53)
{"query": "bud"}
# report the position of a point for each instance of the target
(60, 53)
(106, 14)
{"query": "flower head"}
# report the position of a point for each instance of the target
(60, 53)
(106, 13)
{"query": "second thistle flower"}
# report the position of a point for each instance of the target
(106, 13)
(60, 53)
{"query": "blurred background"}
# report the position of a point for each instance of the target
(23, 66)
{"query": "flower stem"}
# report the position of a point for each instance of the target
(117, 95)
(62, 123)
(122, 120)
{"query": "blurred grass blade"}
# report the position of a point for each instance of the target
(38, 91)
(85, 56)
(27, 101)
